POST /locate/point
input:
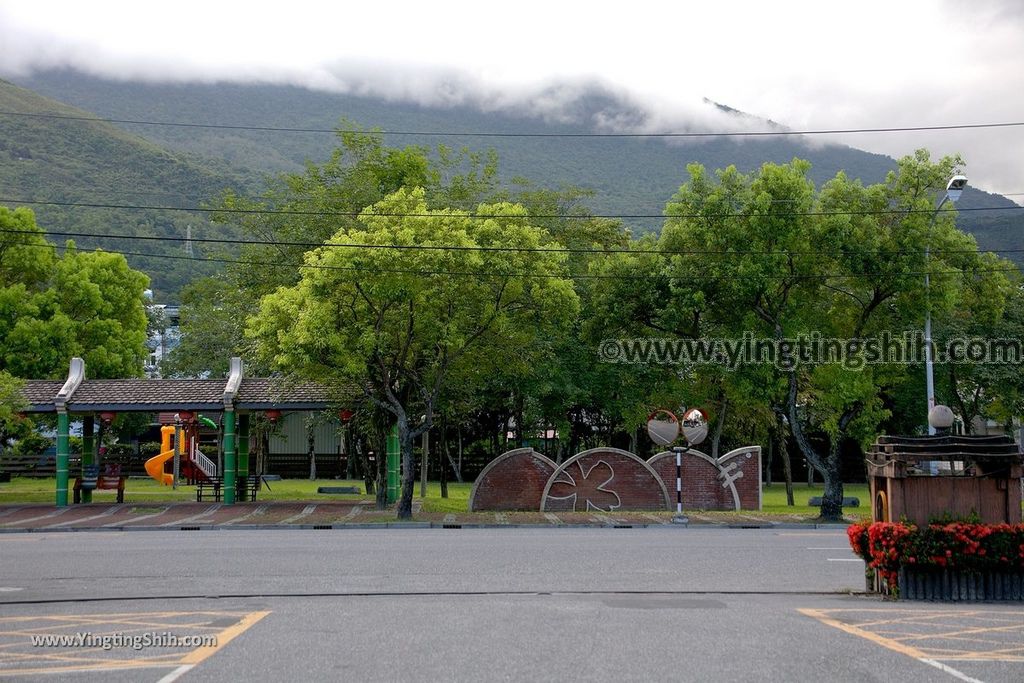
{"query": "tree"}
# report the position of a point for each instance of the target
(87, 304)
(846, 263)
(398, 323)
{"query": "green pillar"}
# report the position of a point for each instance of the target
(243, 453)
(62, 459)
(394, 459)
(88, 452)
(229, 457)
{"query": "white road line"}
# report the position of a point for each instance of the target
(139, 518)
(177, 673)
(845, 559)
(258, 511)
(11, 511)
(106, 513)
(306, 512)
(950, 670)
(205, 513)
(56, 513)
(838, 548)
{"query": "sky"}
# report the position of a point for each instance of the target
(806, 64)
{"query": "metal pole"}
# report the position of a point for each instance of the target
(679, 479)
(928, 371)
(679, 518)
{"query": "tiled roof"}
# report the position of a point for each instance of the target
(41, 391)
(258, 392)
(153, 395)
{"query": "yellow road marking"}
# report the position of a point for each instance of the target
(224, 637)
(867, 635)
(898, 641)
(89, 660)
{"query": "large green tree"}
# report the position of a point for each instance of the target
(87, 304)
(769, 256)
(399, 323)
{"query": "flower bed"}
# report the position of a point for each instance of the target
(976, 552)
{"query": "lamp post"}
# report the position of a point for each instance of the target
(954, 188)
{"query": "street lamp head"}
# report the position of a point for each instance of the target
(955, 186)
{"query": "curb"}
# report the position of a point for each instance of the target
(769, 526)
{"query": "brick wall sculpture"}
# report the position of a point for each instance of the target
(514, 480)
(604, 479)
(608, 479)
(733, 482)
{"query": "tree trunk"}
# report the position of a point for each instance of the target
(424, 462)
(405, 438)
(719, 425)
(311, 442)
(458, 470)
(831, 506)
(348, 449)
(832, 499)
(769, 458)
(444, 470)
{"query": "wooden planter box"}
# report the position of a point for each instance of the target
(952, 585)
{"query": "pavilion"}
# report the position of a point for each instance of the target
(236, 396)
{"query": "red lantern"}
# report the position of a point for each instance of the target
(346, 415)
(107, 417)
(273, 415)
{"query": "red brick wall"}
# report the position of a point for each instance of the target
(702, 488)
(513, 481)
(605, 479)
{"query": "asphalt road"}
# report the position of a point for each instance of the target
(487, 604)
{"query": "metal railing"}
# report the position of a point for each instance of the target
(208, 467)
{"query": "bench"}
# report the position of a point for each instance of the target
(110, 479)
(339, 489)
(848, 502)
(245, 489)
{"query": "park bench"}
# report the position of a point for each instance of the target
(245, 490)
(110, 479)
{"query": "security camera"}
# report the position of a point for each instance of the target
(955, 186)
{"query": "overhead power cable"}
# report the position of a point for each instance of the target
(356, 214)
(492, 274)
(506, 249)
(491, 134)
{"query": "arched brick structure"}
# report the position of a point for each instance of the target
(604, 479)
(733, 482)
(514, 480)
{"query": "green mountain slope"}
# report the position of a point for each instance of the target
(628, 176)
(98, 163)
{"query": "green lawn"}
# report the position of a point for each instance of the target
(144, 490)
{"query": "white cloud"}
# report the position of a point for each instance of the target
(806, 63)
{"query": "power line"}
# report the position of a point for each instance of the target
(506, 249)
(356, 214)
(491, 274)
(483, 134)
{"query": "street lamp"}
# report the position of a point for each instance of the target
(954, 188)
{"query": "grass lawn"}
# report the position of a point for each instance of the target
(145, 490)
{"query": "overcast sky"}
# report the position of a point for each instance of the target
(808, 65)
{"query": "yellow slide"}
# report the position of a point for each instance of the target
(155, 465)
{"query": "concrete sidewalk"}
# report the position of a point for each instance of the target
(330, 514)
